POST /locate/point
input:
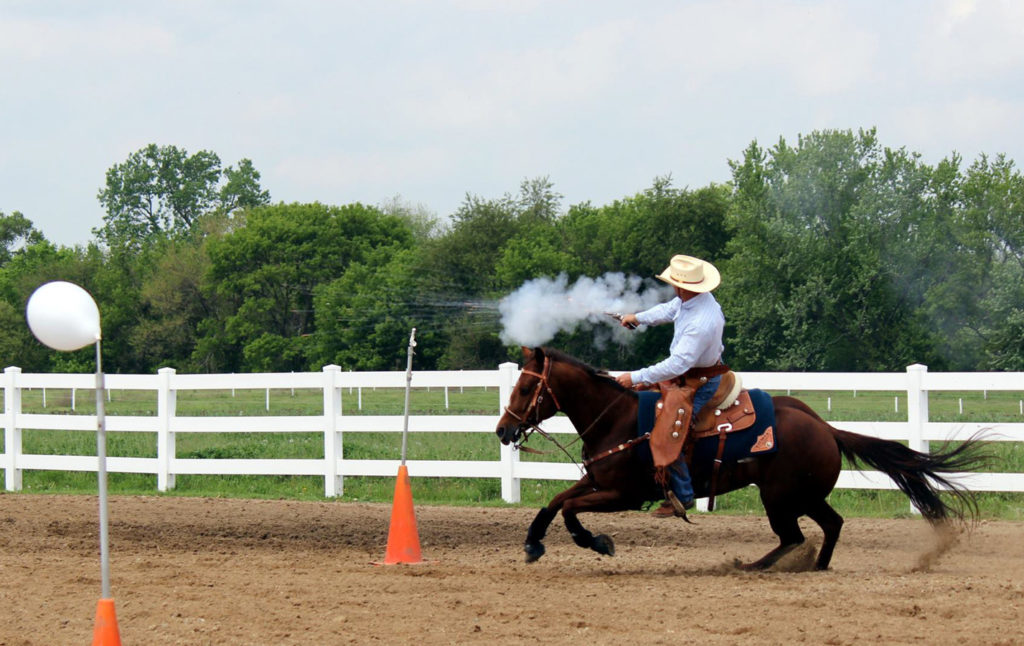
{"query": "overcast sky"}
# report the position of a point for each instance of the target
(363, 101)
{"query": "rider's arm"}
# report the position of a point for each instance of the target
(660, 313)
(685, 352)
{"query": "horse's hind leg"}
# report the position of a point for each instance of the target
(600, 501)
(784, 523)
(831, 523)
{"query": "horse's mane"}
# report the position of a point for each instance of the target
(558, 355)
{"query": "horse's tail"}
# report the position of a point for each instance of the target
(920, 475)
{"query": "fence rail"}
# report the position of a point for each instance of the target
(333, 424)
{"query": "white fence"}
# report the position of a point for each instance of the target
(166, 424)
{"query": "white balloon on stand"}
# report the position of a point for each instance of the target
(63, 316)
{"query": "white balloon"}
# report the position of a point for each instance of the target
(63, 316)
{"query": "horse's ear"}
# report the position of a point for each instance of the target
(531, 353)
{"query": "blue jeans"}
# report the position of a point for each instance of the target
(679, 475)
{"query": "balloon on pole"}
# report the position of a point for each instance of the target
(63, 316)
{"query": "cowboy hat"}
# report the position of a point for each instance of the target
(691, 274)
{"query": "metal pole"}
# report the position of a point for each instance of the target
(408, 385)
(101, 454)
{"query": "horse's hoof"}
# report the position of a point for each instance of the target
(533, 551)
(603, 544)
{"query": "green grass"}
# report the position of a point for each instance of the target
(865, 406)
(283, 401)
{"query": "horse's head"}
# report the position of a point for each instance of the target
(532, 400)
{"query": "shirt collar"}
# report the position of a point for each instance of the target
(693, 302)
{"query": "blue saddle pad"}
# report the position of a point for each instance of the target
(738, 444)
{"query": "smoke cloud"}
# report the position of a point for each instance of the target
(543, 307)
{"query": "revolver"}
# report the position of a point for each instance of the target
(618, 317)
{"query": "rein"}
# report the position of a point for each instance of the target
(617, 449)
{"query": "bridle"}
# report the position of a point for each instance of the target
(535, 401)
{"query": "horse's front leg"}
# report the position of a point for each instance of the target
(534, 547)
(599, 501)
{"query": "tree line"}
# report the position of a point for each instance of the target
(837, 254)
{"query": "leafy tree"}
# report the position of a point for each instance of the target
(809, 286)
(936, 258)
(663, 221)
(994, 209)
(423, 223)
(17, 345)
(464, 258)
(538, 201)
(241, 189)
(537, 251)
(365, 315)
(639, 234)
(162, 190)
(172, 305)
(267, 271)
(16, 229)
(1004, 336)
(474, 343)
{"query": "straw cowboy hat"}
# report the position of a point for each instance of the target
(691, 274)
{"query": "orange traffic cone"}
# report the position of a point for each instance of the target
(403, 540)
(105, 633)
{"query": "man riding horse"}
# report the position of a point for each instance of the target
(693, 369)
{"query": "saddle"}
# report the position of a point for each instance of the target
(729, 408)
(732, 412)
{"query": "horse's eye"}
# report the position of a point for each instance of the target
(524, 391)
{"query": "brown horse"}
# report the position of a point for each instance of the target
(794, 481)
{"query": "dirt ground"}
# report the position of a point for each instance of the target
(212, 571)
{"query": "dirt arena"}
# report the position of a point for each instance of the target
(212, 571)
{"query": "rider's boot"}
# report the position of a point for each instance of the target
(679, 493)
(668, 510)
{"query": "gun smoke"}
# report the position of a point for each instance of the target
(533, 314)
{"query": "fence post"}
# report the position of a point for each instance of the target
(166, 443)
(12, 434)
(917, 407)
(334, 484)
(508, 374)
(917, 412)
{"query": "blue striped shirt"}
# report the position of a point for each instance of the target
(697, 341)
